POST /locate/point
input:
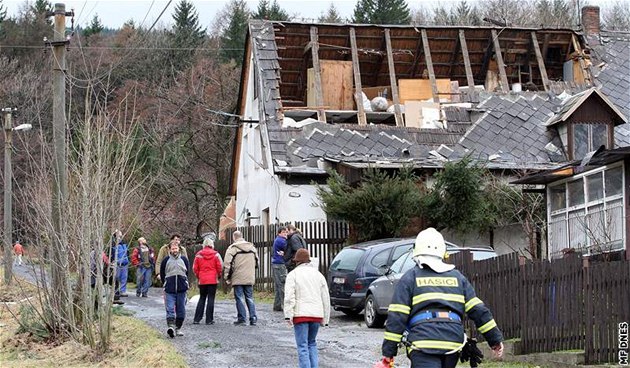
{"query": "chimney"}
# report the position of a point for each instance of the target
(590, 20)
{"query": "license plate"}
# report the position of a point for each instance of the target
(339, 280)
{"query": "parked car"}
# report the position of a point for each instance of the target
(381, 291)
(356, 266)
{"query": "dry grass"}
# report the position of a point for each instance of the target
(134, 343)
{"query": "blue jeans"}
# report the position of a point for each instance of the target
(305, 335)
(175, 305)
(121, 275)
(143, 279)
(245, 294)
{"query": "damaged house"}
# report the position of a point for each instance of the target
(347, 97)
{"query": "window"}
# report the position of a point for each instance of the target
(586, 212)
(397, 266)
(347, 260)
(401, 249)
(588, 137)
(380, 259)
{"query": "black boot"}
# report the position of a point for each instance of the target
(170, 331)
(178, 324)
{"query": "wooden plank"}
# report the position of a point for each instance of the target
(319, 97)
(336, 85)
(464, 47)
(358, 94)
(505, 87)
(421, 89)
(416, 58)
(392, 79)
(585, 73)
(454, 55)
(540, 61)
(427, 58)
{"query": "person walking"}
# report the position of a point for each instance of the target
(164, 251)
(174, 277)
(278, 268)
(239, 271)
(18, 250)
(207, 267)
(429, 303)
(143, 258)
(121, 250)
(295, 241)
(306, 307)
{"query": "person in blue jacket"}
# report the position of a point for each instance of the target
(174, 276)
(428, 306)
(121, 254)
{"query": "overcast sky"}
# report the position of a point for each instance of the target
(113, 13)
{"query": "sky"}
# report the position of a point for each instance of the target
(114, 13)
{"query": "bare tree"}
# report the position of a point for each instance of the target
(617, 17)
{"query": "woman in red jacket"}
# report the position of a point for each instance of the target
(207, 268)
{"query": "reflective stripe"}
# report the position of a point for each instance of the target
(471, 303)
(400, 308)
(392, 336)
(443, 296)
(437, 344)
(488, 326)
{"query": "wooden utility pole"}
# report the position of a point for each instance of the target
(59, 254)
(8, 197)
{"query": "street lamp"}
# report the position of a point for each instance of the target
(8, 191)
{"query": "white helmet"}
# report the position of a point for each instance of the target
(429, 242)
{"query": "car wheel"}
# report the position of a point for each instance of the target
(372, 318)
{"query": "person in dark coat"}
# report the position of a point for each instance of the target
(295, 241)
(207, 267)
(174, 277)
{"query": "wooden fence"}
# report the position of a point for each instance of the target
(324, 240)
(565, 304)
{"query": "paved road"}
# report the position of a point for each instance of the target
(345, 343)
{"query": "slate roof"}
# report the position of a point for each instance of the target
(613, 49)
(266, 63)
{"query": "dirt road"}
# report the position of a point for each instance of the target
(345, 343)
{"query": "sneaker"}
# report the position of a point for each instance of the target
(179, 332)
(252, 323)
(144, 296)
(124, 295)
(118, 302)
(195, 322)
(137, 295)
(239, 323)
(210, 323)
(170, 332)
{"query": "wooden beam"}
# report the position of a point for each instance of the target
(540, 61)
(416, 58)
(379, 62)
(454, 56)
(358, 93)
(486, 61)
(545, 47)
(427, 57)
(307, 48)
(585, 73)
(469, 74)
(319, 96)
(392, 79)
(505, 87)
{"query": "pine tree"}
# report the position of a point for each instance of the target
(95, 27)
(270, 12)
(39, 10)
(186, 34)
(233, 37)
(331, 15)
(3, 12)
(381, 12)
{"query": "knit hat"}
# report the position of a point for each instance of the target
(301, 256)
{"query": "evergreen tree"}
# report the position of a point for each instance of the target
(95, 27)
(233, 37)
(186, 34)
(3, 12)
(270, 12)
(381, 12)
(330, 16)
(39, 10)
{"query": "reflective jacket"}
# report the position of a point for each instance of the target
(421, 290)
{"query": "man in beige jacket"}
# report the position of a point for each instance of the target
(239, 270)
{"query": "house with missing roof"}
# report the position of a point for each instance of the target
(315, 97)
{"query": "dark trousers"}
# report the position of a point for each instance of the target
(279, 278)
(206, 291)
(422, 360)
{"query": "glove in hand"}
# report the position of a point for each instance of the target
(471, 353)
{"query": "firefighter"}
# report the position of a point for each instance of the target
(428, 307)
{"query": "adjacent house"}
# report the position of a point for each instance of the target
(315, 97)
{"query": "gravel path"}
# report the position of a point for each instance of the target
(346, 342)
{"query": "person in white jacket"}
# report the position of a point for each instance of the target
(306, 307)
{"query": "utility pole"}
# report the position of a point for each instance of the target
(59, 254)
(8, 197)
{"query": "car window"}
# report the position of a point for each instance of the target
(409, 263)
(347, 260)
(400, 250)
(397, 266)
(380, 259)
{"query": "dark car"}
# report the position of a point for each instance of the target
(381, 291)
(356, 266)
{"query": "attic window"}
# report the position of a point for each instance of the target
(589, 137)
